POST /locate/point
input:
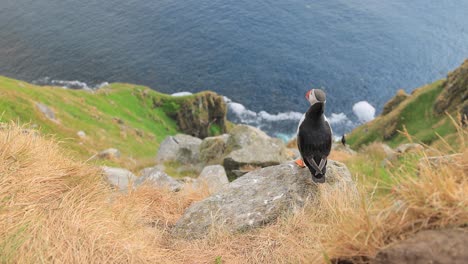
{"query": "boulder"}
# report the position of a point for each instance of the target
(181, 148)
(212, 149)
(158, 179)
(119, 178)
(49, 113)
(432, 246)
(244, 136)
(293, 153)
(252, 148)
(343, 148)
(409, 148)
(110, 153)
(241, 161)
(214, 177)
(259, 198)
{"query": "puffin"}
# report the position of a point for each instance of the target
(314, 136)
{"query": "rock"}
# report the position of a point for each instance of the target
(260, 197)
(252, 148)
(242, 160)
(244, 136)
(432, 246)
(158, 179)
(345, 149)
(455, 92)
(409, 148)
(395, 101)
(201, 115)
(46, 111)
(293, 153)
(212, 149)
(119, 178)
(110, 153)
(181, 148)
(214, 177)
(81, 134)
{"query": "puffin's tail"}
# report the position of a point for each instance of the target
(318, 171)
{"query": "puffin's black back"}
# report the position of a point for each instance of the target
(314, 138)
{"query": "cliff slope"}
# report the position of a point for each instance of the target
(131, 118)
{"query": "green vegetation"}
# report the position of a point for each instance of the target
(414, 115)
(131, 118)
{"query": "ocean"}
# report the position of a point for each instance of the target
(262, 55)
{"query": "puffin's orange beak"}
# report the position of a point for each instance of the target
(307, 95)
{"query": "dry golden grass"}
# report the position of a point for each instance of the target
(340, 156)
(54, 209)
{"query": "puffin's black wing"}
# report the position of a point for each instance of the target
(314, 141)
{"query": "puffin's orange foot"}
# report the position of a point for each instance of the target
(300, 163)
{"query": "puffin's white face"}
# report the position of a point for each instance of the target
(315, 96)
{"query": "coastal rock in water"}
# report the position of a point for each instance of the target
(46, 111)
(158, 179)
(119, 178)
(252, 148)
(260, 197)
(432, 246)
(110, 153)
(214, 177)
(181, 148)
(212, 149)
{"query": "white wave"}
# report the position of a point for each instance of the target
(181, 94)
(280, 116)
(75, 84)
(340, 118)
(248, 116)
(364, 111)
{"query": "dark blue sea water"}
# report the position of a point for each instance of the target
(262, 54)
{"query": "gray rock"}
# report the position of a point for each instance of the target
(408, 148)
(252, 148)
(212, 149)
(181, 148)
(340, 147)
(259, 198)
(255, 156)
(110, 153)
(46, 111)
(158, 179)
(293, 153)
(81, 134)
(214, 177)
(432, 246)
(244, 136)
(119, 178)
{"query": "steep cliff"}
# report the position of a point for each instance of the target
(421, 114)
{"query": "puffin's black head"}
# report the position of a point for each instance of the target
(316, 96)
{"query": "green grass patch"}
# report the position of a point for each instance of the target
(415, 115)
(131, 118)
